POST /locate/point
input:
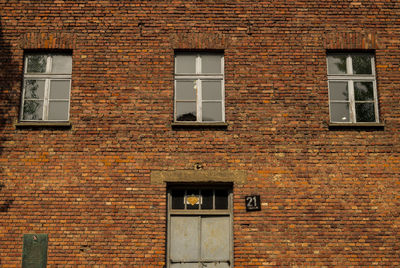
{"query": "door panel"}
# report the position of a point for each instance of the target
(215, 238)
(185, 239)
(185, 265)
(216, 265)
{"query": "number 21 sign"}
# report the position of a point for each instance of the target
(253, 203)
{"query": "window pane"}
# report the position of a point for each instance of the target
(34, 89)
(178, 199)
(186, 90)
(186, 111)
(185, 63)
(36, 64)
(211, 90)
(62, 64)
(212, 111)
(337, 64)
(207, 196)
(340, 112)
(363, 91)
(59, 89)
(33, 110)
(192, 199)
(338, 91)
(365, 112)
(362, 64)
(211, 64)
(58, 110)
(221, 199)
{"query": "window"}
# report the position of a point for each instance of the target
(199, 227)
(199, 87)
(46, 87)
(352, 88)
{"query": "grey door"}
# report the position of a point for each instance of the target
(200, 241)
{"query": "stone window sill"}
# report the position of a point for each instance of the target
(220, 125)
(377, 126)
(38, 124)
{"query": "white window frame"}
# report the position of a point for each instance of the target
(47, 76)
(198, 77)
(350, 78)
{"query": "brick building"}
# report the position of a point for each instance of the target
(133, 131)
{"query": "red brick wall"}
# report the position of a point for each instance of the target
(330, 196)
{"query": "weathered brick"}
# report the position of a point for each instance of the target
(330, 198)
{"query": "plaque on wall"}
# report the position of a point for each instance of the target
(253, 203)
(34, 252)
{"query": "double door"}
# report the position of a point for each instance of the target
(200, 228)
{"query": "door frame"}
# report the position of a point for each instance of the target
(193, 212)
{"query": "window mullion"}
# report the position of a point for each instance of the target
(213, 198)
(373, 66)
(349, 63)
(198, 90)
(352, 101)
(375, 101)
(23, 98)
(49, 64)
(175, 103)
(199, 101)
(47, 89)
(46, 99)
(185, 199)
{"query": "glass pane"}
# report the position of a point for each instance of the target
(362, 64)
(33, 110)
(34, 89)
(211, 90)
(221, 199)
(192, 199)
(62, 64)
(212, 111)
(337, 64)
(59, 89)
(363, 91)
(185, 63)
(207, 196)
(338, 91)
(340, 112)
(211, 64)
(58, 110)
(186, 111)
(36, 64)
(186, 90)
(365, 112)
(178, 199)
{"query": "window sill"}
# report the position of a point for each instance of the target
(221, 125)
(38, 124)
(371, 125)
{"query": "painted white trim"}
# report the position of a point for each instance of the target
(350, 78)
(47, 77)
(199, 77)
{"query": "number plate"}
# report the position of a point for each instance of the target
(253, 203)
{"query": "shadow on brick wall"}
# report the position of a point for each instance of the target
(8, 106)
